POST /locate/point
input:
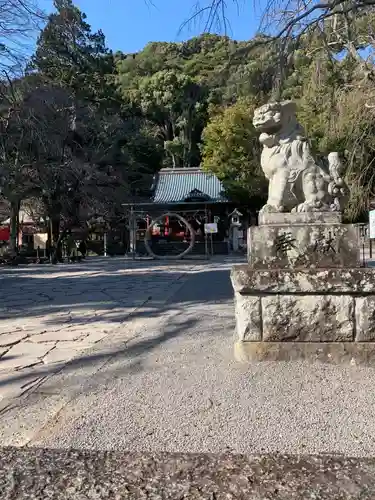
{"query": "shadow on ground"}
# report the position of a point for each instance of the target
(34, 293)
(204, 291)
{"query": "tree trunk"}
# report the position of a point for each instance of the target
(54, 238)
(14, 213)
(57, 238)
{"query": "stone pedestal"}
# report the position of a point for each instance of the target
(303, 293)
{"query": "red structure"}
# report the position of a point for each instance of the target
(4, 233)
(27, 229)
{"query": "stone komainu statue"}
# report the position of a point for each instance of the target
(297, 183)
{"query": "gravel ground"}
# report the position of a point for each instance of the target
(176, 388)
(71, 475)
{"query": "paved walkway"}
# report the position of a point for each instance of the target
(50, 314)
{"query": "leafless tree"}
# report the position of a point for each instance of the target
(338, 26)
(35, 158)
(60, 156)
(14, 164)
(283, 18)
(20, 20)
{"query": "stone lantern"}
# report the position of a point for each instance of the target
(235, 229)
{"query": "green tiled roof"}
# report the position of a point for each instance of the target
(175, 185)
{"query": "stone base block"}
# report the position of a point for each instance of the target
(336, 305)
(303, 246)
(353, 353)
(308, 318)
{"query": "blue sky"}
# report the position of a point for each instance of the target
(130, 24)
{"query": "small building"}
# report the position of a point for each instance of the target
(195, 195)
(27, 228)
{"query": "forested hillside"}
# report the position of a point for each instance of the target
(83, 129)
(199, 97)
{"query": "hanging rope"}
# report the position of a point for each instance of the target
(169, 257)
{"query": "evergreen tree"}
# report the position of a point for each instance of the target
(70, 54)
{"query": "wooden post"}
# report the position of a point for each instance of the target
(51, 240)
(205, 234)
(105, 243)
(132, 232)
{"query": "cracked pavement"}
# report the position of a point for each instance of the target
(52, 314)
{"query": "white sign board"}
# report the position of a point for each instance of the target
(40, 240)
(371, 219)
(210, 228)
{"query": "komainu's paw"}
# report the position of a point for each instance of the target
(271, 209)
(312, 206)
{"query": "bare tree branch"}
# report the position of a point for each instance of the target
(288, 24)
(212, 13)
(281, 18)
(20, 20)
